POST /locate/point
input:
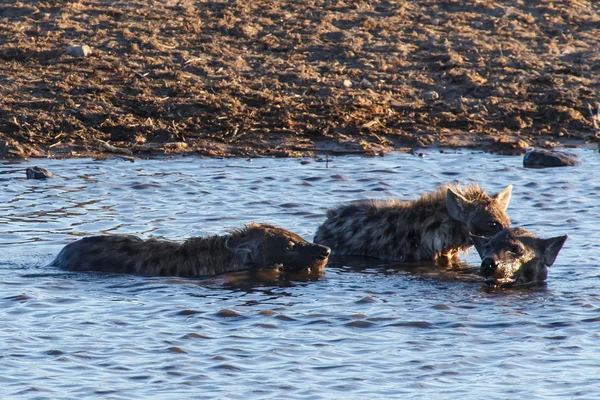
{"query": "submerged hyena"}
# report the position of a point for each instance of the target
(435, 226)
(516, 256)
(253, 246)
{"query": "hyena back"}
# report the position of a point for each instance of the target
(435, 226)
(516, 256)
(253, 246)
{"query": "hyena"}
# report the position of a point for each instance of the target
(433, 227)
(516, 256)
(253, 246)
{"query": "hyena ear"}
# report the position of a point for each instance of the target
(456, 205)
(551, 248)
(242, 249)
(479, 242)
(503, 198)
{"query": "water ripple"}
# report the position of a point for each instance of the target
(363, 328)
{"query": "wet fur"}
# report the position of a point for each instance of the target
(435, 226)
(253, 246)
(516, 257)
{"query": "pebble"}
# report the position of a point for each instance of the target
(80, 51)
(366, 84)
(431, 95)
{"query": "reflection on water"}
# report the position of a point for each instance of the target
(361, 328)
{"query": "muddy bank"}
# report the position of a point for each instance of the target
(295, 78)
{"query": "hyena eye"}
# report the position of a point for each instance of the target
(493, 223)
(517, 250)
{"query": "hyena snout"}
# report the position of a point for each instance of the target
(312, 251)
(489, 265)
(323, 252)
(305, 255)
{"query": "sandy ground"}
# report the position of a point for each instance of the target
(291, 78)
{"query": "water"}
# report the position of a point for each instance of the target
(362, 329)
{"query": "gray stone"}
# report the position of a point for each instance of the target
(38, 173)
(431, 95)
(539, 158)
(79, 51)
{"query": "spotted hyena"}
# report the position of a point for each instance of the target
(433, 227)
(253, 246)
(516, 256)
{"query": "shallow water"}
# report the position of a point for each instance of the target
(361, 329)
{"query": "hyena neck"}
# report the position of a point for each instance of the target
(453, 240)
(531, 272)
(208, 255)
(443, 236)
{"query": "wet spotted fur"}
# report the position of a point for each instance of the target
(435, 226)
(253, 246)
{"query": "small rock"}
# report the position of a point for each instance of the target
(431, 95)
(248, 30)
(506, 144)
(38, 173)
(79, 51)
(336, 36)
(366, 84)
(539, 158)
(174, 146)
(521, 144)
(516, 123)
(347, 83)
(498, 92)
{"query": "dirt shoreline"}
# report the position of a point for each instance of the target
(296, 78)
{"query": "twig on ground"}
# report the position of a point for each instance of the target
(596, 116)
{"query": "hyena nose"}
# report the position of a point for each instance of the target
(488, 266)
(325, 252)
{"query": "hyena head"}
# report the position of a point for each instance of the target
(262, 245)
(516, 256)
(481, 214)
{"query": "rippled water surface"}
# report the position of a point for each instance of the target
(361, 329)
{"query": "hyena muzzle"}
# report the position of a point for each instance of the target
(253, 246)
(516, 256)
(434, 227)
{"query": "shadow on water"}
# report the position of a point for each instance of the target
(256, 279)
(247, 280)
(460, 272)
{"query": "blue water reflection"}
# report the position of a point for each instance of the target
(362, 329)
